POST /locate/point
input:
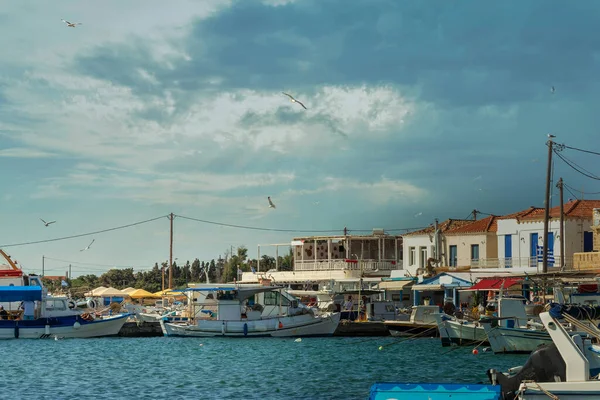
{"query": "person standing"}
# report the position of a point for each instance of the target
(28, 310)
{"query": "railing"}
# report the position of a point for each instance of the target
(520, 262)
(583, 261)
(366, 265)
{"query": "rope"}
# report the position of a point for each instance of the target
(402, 340)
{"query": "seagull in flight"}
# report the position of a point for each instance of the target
(271, 205)
(552, 90)
(88, 246)
(293, 100)
(71, 24)
(47, 223)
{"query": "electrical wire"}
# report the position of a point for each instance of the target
(83, 234)
(580, 191)
(94, 265)
(570, 164)
(582, 150)
(287, 230)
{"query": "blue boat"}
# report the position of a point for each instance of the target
(434, 391)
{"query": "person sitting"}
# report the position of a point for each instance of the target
(3, 313)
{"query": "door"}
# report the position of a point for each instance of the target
(534, 251)
(588, 242)
(550, 249)
(453, 255)
(508, 251)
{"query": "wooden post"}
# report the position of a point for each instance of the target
(562, 224)
(171, 218)
(550, 144)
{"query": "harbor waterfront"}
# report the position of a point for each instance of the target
(231, 368)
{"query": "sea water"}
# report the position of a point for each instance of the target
(230, 368)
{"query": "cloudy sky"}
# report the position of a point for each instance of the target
(416, 110)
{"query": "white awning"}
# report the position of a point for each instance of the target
(395, 285)
(421, 288)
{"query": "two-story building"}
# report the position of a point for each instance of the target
(590, 260)
(471, 242)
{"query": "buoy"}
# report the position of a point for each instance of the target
(201, 344)
(17, 331)
(76, 325)
(380, 347)
(475, 351)
(223, 328)
(245, 329)
(298, 340)
(280, 325)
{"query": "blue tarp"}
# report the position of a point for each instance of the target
(20, 293)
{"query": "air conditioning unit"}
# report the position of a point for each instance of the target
(378, 231)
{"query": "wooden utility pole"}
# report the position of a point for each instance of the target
(171, 218)
(559, 185)
(475, 215)
(550, 144)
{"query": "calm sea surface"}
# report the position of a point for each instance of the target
(226, 368)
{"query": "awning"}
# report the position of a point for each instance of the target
(424, 287)
(494, 284)
(20, 293)
(395, 285)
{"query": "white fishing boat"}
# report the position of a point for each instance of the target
(460, 331)
(422, 321)
(45, 316)
(249, 311)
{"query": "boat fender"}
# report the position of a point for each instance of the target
(47, 329)
(91, 303)
(17, 331)
(71, 304)
(223, 328)
(245, 329)
(280, 325)
(76, 325)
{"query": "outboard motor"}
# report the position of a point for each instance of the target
(543, 365)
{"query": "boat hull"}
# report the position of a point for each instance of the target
(407, 328)
(516, 340)
(462, 333)
(61, 327)
(296, 326)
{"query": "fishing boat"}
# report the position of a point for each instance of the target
(44, 316)
(249, 311)
(422, 321)
(462, 332)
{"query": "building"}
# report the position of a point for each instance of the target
(471, 242)
(420, 246)
(520, 236)
(590, 260)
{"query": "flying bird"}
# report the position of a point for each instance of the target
(47, 223)
(71, 24)
(88, 246)
(551, 136)
(552, 90)
(271, 205)
(293, 100)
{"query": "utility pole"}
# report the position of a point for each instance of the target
(550, 145)
(475, 215)
(70, 276)
(43, 262)
(163, 277)
(562, 224)
(171, 218)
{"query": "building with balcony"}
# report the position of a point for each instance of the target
(520, 237)
(470, 243)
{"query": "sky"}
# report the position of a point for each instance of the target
(416, 110)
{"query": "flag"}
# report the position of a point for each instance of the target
(63, 283)
(540, 254)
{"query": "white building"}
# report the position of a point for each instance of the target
(520, 237)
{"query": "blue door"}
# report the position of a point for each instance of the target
(508, 250)
(453, 256)
(550, 249)
(533, 253)
(588, 242)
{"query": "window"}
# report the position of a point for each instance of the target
(55, 305)
(422, 256)
(474, 252)
(453, 256)
(411, 255)
(272, 299)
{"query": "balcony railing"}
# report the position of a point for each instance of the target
(583, 261)
(366, 265)
(521, 262)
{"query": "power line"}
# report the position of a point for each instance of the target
(582, 150)
(96, 265)
(575, 167)
(286, 230)
(580, 191)
(83, 234)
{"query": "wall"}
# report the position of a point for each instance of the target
(463, 245)
(416, 241)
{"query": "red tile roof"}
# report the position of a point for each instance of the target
(582, 209)
(445, 226)
(484, 225)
